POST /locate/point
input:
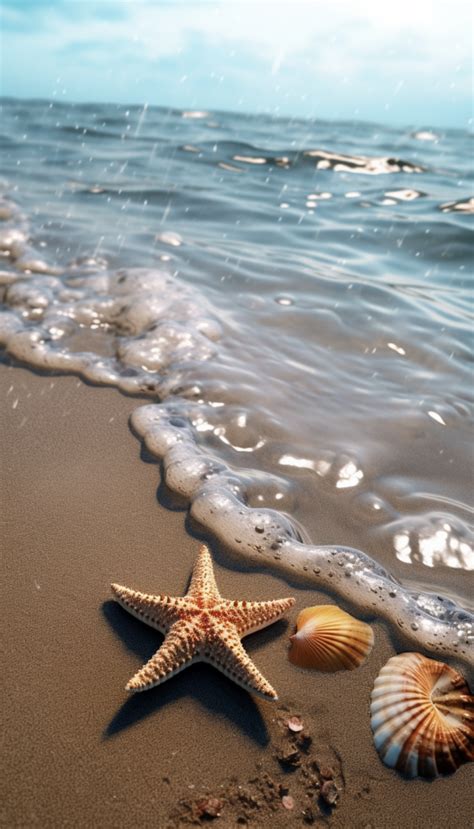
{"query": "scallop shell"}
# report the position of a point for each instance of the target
(329, 639)
(422, 716)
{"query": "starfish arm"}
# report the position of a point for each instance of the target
(203, 583)
(228, 656)
(251, 616)
(201, 626)
(178, 651)
(160, 612)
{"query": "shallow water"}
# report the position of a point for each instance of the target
(302, 306)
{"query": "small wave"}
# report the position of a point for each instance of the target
(160, 332)
(253, 156)
(361, 164)
(463, 206)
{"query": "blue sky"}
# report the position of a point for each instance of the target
(406, 63)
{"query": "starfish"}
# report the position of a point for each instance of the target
(201, 627)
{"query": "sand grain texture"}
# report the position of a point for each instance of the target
(79, 511)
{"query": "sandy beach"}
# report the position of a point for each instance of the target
(81, 508)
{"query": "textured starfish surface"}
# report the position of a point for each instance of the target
(201, 627)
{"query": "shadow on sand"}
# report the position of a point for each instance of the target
(208, 686)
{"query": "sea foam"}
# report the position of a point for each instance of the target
(146, 332)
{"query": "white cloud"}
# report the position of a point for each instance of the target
(367, 45)
(275, 30)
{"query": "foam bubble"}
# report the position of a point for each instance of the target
(12, 241)
(8, 210)
(169, 238)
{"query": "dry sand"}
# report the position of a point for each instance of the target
(79, 511)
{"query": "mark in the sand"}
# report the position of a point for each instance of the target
(299, 781)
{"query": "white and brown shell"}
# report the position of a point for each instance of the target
(422, 716)
(329, 639)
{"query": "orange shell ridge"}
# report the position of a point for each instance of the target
(422, 716)
(329, 639)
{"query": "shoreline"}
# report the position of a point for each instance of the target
(81, 511)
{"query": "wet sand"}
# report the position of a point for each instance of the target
(79, 510)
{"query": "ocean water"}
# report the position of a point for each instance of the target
(293, 302)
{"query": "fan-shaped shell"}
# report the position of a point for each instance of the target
(422, 716)
(329, 639)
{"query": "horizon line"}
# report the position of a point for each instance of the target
(406, 126)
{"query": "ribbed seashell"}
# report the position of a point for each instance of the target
(422, 716)
(329, 639)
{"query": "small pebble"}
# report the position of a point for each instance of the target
(288, 755)
(329, 792)
(295, 724)
(211, 807)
